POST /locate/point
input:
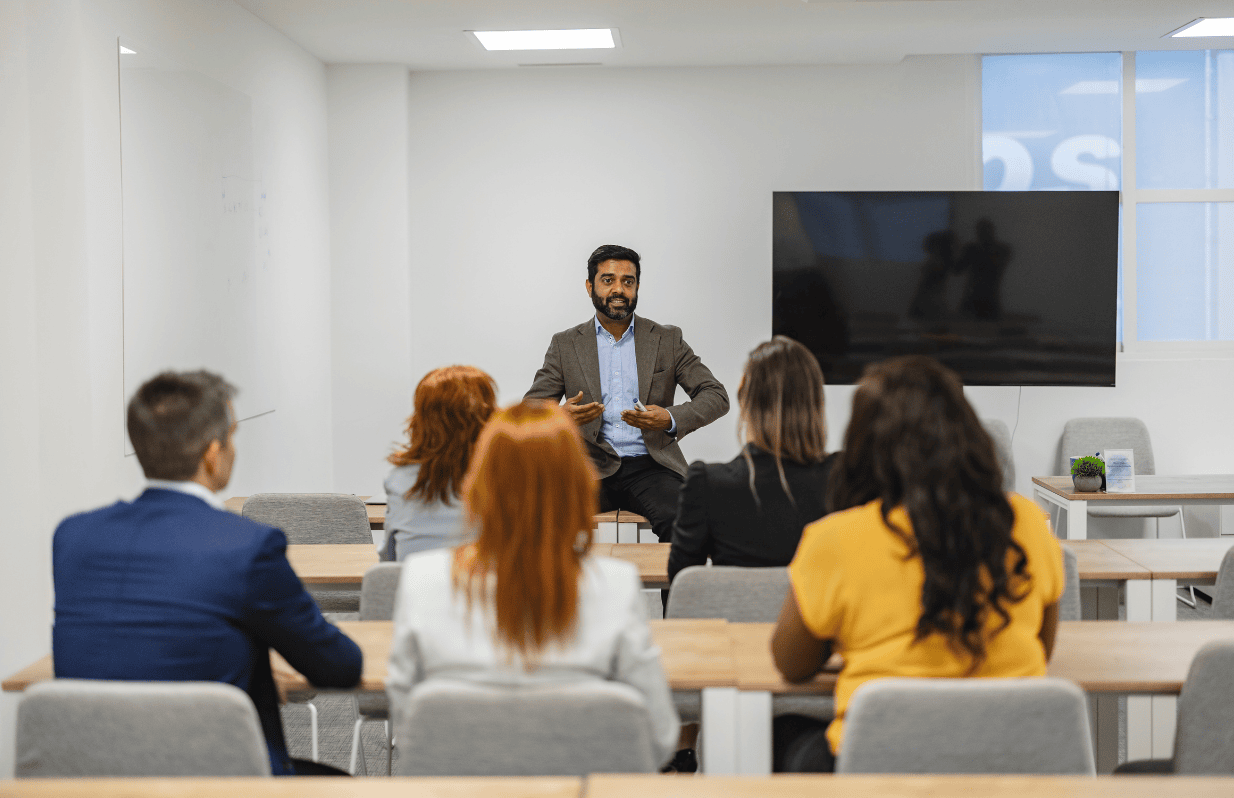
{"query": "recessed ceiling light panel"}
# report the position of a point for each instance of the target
(1212, 26)
(584, 39)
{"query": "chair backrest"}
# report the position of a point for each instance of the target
(86, 727)
(1002, 446)
(1069, 603)
(1223, 595)
(1087, 436)
(739, 595)
(312, 517)
(460, 729)
(1204, 739)
(378, 590)
(1031, 726)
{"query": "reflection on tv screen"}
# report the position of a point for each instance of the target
(1007, 288)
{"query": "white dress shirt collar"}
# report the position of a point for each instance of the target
(191, 488)
(601, 331)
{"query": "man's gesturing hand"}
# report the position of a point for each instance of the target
(654, 417)
(582, 414)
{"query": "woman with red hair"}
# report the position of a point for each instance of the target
(423, 510)
(526, 603)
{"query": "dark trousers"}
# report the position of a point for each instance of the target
(643, 486)
(799, 745)
(307, 767)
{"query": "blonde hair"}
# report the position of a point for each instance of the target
(781, 399)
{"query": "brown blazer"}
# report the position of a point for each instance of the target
(572, 364)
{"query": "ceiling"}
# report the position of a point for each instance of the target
(429, 34)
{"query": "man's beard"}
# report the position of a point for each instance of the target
(617, 313)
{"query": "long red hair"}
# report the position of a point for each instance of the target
(450, 407)
(531, 493)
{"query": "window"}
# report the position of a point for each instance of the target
(1057, 122)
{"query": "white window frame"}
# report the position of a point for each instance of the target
(1129, 195)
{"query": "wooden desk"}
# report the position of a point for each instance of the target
(731, 664)
(695, 653)
(454, 787)
(651, 559)
(1194, 561)
(827, 786)
(1150, 490)
(342, 564)
(1148, 660)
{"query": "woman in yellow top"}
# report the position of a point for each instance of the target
(926, 568)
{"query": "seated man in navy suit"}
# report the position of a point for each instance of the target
(173, 587)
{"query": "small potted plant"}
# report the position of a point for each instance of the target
(1086, 474)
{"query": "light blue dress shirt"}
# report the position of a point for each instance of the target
(619, 390)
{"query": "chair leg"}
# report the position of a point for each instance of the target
(313, 726)
(389, 750)
(357, 750)
(1182, 525)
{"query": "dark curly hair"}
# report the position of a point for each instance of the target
(914, 442)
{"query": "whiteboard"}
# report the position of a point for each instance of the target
(197, 291)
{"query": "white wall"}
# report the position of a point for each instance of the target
(515, 176)
(61, 394)
(372, 377)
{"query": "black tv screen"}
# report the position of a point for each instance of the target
(1005, 287)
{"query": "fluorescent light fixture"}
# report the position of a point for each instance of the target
(126, 51)
(587, 39)
(1142, 86)
(1213, 26)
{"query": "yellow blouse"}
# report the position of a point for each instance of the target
(855, 587)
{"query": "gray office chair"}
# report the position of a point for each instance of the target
(1025, 726)
(460, 729)
(1086, 436)
(738, 595)
(1223, 593)
(1069, 602)
(1204, 734)
(90, 727)
(377, 593)
(315, 518)
(1002, 446)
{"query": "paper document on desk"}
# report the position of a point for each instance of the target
(1119, 471)
(380, 498)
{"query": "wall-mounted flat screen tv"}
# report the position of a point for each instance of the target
(1005, 287)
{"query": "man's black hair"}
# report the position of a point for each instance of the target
(612, 252)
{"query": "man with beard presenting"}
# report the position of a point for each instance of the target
(619, 373)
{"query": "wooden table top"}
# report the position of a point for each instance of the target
(1100, 656)
(1151, 487)
(1193, 558)
(827, 786)
(1122, 657)
(453, 787)
(1096, 560)
(756, 670)
(331, 563)
(651, 559)
(651, 786)
(1197, 558)
(38, 671)
(695, 653)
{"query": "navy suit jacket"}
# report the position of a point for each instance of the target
(168, 588)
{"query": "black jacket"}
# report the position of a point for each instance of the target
(717, 516)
